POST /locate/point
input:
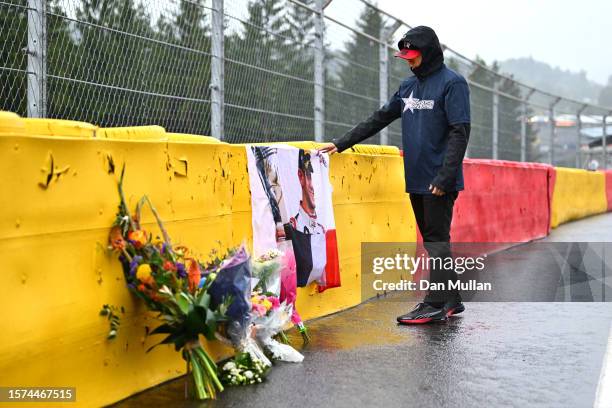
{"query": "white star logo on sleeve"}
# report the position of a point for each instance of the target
(409, 103)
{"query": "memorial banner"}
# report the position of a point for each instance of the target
(291, 198)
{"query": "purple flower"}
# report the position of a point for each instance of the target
(134, 264)
(180, 270)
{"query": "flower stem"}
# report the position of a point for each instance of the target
(196, 371)
(210, 367)
(126, 254)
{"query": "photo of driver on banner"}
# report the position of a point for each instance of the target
(291, 202)
(306, 233)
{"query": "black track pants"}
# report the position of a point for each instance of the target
(433, 216)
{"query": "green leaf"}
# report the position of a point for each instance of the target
(208, 322)
(178, 338)
(183, 302)
(195, 322)
(204, 300)
(162, 329)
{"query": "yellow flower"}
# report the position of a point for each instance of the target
(143, 273)
(267, 304)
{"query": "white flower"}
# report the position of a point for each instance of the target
(229, 366)
(248, 374)
(274, 253)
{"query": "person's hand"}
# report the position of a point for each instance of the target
(280, 233)
(328, 148)
(436, 190)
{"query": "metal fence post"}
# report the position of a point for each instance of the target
(37, 53)
(524, 130)
(604, 143)
(553, 129)
(319, 73)
(217, 76)
(579, 136)
(524, 120)
(383, 78)
(495, 141)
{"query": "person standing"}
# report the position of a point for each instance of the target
(434, 106)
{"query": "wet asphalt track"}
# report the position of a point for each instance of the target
(496, 354)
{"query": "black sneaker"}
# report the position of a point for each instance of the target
(453, 307)
(423, 313)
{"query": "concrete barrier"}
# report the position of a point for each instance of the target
(577, 194)
(608, 174)
(503, 201)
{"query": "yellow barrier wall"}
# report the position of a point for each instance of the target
(58, 201)
(577, 194)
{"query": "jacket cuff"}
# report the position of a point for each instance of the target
(446, 184)
(342, 145)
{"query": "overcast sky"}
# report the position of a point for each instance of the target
(570, 34)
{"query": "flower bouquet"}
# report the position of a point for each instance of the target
(243, 370)
(233, 284)
(274, 273)
(173, 284)
(267, 272)
(269, 318)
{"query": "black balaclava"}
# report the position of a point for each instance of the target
(425, 40)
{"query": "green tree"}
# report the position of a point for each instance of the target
(509, 116)
(480, 145)
(112, 62)
(13, 59)
(298, 55)
(257, 44)
(63, 99)
(358, 76)
(184, 71)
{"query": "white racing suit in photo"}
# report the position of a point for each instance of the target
(309, 246)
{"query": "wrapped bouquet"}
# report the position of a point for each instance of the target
(173, 284)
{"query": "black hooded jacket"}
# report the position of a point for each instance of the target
(426, 41)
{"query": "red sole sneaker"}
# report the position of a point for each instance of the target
(421, 320)
(455, 310)
(415, 321)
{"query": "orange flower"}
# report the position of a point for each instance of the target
(115, 238)
(139, 238)
(193, 274)
(169, 266)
